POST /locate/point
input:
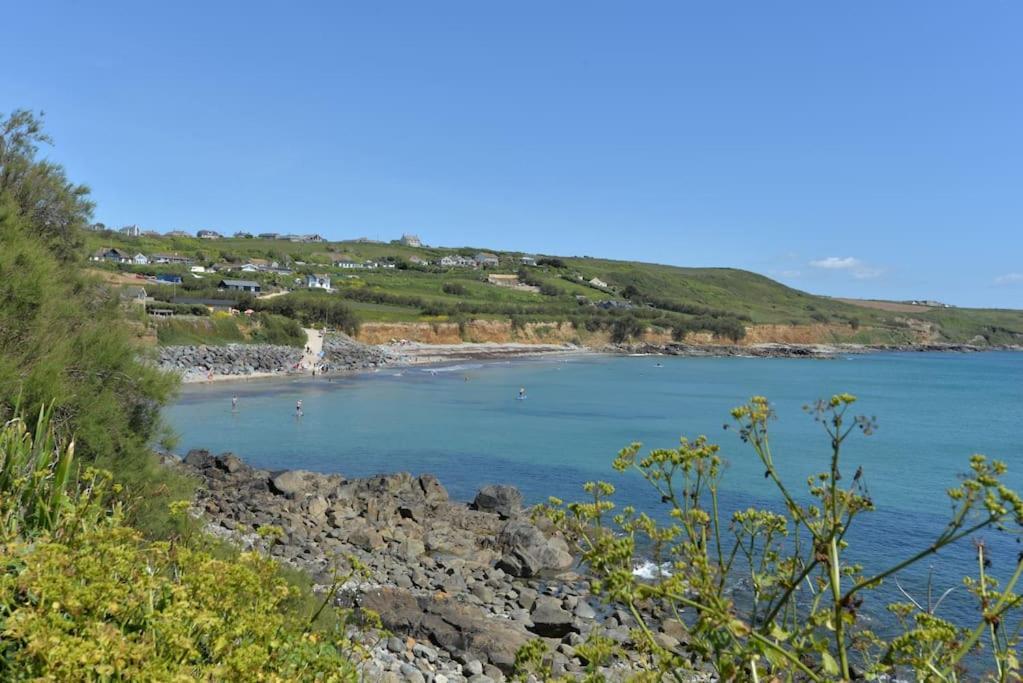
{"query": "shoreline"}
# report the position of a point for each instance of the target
(416, 354)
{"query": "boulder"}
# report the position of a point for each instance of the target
(527, 551)
(505, 501)
(432, 489)
(199, 458)
(550, 620)
(230, 463)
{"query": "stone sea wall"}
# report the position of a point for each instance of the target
(461, 586)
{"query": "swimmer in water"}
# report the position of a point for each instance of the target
(522, 393)
(234, 404)
(298, 408)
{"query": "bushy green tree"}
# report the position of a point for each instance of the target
(63, 338)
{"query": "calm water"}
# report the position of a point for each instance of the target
(934, 410)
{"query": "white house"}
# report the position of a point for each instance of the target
(597, 282)
(347, 264)
(318, 281)
(249, 268)
(140, 259)
(197, 269)
(131, 230)
(528, 260)
(208, 235)
(410, 240)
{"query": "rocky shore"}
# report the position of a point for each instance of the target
(461, 586)
(794, 350)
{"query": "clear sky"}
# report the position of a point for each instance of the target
(863, 148)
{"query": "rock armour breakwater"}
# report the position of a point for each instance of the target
(462, 586)
(231, 360)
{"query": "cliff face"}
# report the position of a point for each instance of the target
(503, 332)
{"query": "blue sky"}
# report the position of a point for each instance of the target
(863, 149)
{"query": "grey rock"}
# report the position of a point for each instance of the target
(550, 620)
(505, 501)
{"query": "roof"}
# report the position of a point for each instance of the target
(239, 283)
(322, 276)
(213, 303)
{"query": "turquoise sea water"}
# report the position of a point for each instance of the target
(933, 411)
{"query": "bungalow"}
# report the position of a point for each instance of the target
(112, 254)
(456, 261)
(318, 281)
(249, 268)
(269, 235)
(312, 238)
(240, 286)
(178, 233)
(598, 283)
(170, 258)
(197, 269)
(140, 260)
(527, 260)
(208, 235)
(168, 278)
(485, 259)
(348, 264)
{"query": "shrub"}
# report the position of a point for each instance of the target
(454, 288)
(803, 619)
(84, 597)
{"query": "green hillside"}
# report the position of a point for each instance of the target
(722, 301)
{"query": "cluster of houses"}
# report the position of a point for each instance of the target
(483, 259)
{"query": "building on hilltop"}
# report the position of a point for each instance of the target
(208, 235)
(131, 231)
(269, 235)
(485, 259)
(242, 235)
(318, 281)
(178, 233)
(410, 240)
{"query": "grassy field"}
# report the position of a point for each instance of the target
(661, 296)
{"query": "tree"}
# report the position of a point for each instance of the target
(56, 208)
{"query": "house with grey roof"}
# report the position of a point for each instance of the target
(240, 286)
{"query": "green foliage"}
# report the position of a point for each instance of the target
(312, 308)
(84, 597)
(277, 329)
(64, 342)
(56, 208)
(803, 621)
(214, 330)
(454, 288)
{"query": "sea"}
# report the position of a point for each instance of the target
(465, 424)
